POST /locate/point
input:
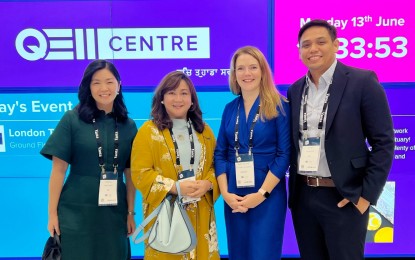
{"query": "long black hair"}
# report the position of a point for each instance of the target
(87, 108)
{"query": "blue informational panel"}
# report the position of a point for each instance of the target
(25, 173)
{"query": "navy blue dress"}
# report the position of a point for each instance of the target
(257, 234)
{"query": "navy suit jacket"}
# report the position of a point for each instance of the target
(357, 112)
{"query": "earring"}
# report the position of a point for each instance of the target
(162, 102)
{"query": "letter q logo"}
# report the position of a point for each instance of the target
(29, 49)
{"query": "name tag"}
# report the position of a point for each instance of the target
(108, 189)
(188, 175)
(310, 155)
(244, 167)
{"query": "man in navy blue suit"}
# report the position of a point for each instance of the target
(336, 112)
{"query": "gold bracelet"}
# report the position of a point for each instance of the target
(132, 213)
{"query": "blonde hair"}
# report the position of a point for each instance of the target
(270, 98)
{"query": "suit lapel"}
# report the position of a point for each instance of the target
(202, 140)
(296, 95)
(170, 149)
(340, 79)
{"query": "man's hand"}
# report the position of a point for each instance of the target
(362, 205)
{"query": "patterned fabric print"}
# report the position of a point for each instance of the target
(212, 238)
(165, 157)
(192, 254)
(161, 184)
(145, 207)
(202, 161)
(156, 135)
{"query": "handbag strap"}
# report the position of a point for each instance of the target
(141, 226)
(153, 214)
(57, 239)
(179, 194)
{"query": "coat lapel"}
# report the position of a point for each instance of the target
(296, 95)
(201, 137)
(170, 149)
(340, 79)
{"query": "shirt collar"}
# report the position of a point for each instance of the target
(326, 78)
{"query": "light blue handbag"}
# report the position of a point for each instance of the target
(172, 232)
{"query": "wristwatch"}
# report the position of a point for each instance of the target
(264, 193)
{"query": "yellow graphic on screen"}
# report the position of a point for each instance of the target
(374, 221)
(381, 217)
(384, 235)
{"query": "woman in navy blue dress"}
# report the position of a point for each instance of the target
(251, 159)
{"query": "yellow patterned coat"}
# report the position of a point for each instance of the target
(153, 173)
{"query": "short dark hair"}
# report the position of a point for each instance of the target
(321, 23)
(87, 108)
(158, 111)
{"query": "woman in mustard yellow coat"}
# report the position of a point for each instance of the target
(177, 127)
